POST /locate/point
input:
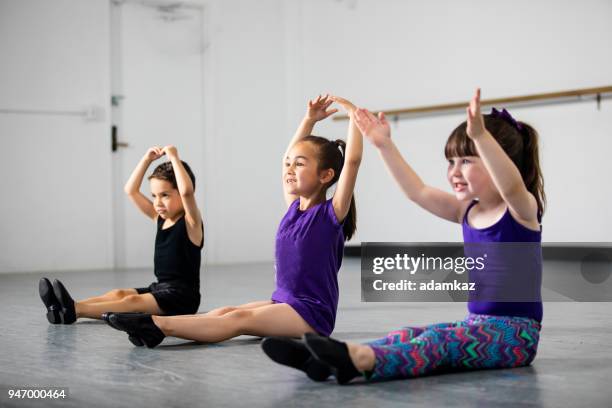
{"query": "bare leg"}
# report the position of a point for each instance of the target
(363, 356)
(278, 319)
(226, 309)
(144, 303)
(115, 294)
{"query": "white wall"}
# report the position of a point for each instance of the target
(56, 173)
(245, 124)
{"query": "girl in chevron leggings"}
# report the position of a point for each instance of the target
(493, 169)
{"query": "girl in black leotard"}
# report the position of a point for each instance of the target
(178, 246)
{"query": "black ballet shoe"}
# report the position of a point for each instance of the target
(139, 326)
(54, 309)
(66, 301)
(106, 316)
(293, 353)
(135, 341)
(333, 353)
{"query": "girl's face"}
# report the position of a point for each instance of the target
(166, 199)
(302, 176)
(469, 178)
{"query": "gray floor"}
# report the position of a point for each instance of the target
(101, 368)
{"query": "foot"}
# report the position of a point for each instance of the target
(54, 309)
(106, 318)
(66, 301)
(293, 353)
(139, 327)
(131, 336)
(333, 353)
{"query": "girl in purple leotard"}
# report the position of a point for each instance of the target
(498, 197)
(309, 247)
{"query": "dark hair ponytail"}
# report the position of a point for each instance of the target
(531, 171)
(520, 145)
(350, 222)
(331, 156)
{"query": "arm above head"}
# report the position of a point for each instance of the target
(352, 160)
(185, 188)
(317, 110)
(436, 201)
(504, 173)
(132, 186)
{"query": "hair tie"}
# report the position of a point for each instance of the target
(339, 146)
(505, 116)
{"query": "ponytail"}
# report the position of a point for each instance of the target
(350, 221)
(331, 156)
(530, 170)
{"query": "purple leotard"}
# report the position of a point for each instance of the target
(507, 229)
(309, 249)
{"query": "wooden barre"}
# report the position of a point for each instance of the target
(550, 96)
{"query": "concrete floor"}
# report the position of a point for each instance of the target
(101, 368)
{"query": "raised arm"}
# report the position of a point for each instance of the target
(132, 187)
(352, 160)
(504, 173)
(185, 187)
(317, 110)
(436, 201)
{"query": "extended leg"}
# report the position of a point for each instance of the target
(405, 334)
(226, 309)
(144, 303)
(363, 355)
(267, 320)
(115, 294)
(496, 343)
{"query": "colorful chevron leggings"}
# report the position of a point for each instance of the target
(477, 342)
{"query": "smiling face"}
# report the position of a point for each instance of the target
(466, 172)
(302, 175)
(469, 178)
(166, 199)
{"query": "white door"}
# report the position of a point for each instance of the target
(55, 170)
(157, 74)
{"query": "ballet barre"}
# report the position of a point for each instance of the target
(597, 94)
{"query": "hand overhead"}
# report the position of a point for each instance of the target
(475, 121)
(375, 129)
(318, 108)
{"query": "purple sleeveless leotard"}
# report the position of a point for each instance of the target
(309, 249)
(528, 279)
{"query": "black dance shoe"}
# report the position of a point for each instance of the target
(333, 353)
(133, 339)
(139, 327)
(54, 309)
(106, 318)
(66, 301)
(293, 353)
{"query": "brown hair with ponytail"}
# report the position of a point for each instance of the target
(520, 145)
(331, 156)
